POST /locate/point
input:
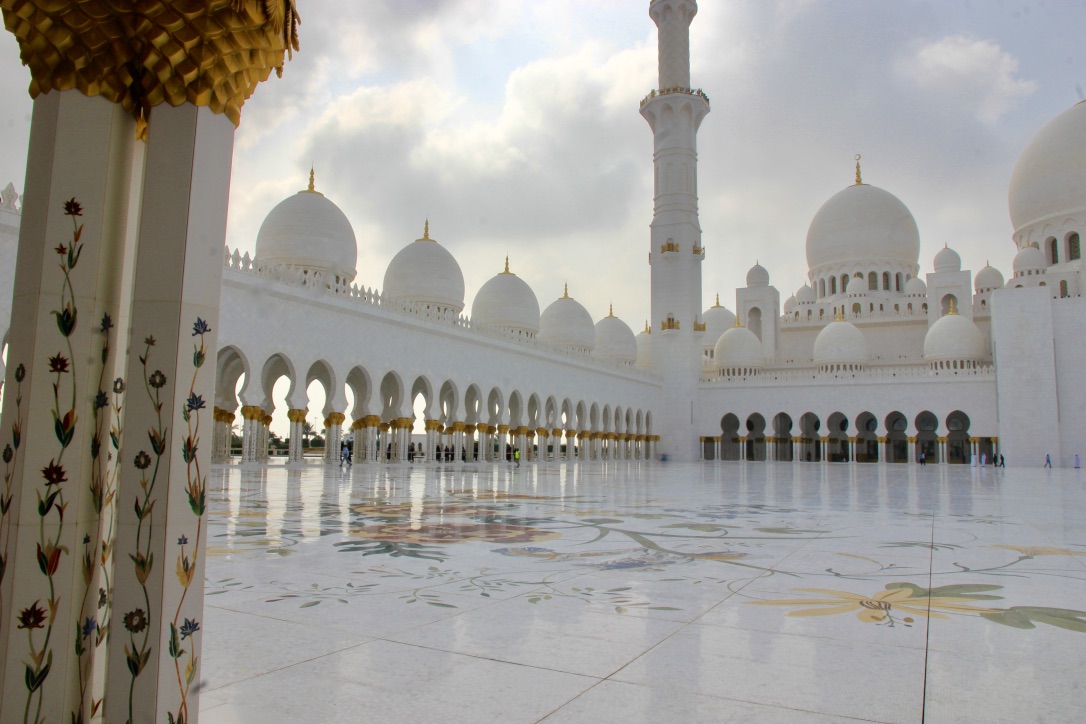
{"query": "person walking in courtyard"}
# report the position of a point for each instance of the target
(1077, 465)
(923, 460)
(1048, 460)
(516, 456)
(345, 456)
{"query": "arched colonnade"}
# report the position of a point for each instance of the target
(472, 420)
(891, 437)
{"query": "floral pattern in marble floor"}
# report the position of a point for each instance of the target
(644, 592)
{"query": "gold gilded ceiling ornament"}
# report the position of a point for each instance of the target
(210, 53)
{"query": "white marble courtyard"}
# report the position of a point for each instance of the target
(654, 592)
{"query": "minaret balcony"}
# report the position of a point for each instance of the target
(670, 247)
(669, 91)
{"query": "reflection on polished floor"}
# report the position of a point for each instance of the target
(645, 592)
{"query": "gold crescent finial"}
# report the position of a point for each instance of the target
(648, 329)
(610, 310)
(859, 180)
(426, 230)
(565, 291)
(840, 315)
(951, 309)
(507, 265)
(311, 174)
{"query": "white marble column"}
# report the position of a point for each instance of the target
(295, 452)
(161, 547)
(63, 352)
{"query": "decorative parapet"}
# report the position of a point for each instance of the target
(669, 246)
(699, 326)
(671, 91)
(920, 371)
(669, 324)
(310, 282)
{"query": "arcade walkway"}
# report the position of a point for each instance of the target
(655, 592)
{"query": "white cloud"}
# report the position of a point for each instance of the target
(974, 74)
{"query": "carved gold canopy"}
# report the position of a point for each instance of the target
(141, 53)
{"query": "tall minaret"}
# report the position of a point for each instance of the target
(674, 112)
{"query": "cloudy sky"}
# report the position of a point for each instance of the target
(513, 126)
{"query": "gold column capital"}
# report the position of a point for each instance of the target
(297, 414)
(139, 55)
(252, 412)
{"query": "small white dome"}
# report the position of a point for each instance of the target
(947, 260)
(307, 231)
(840, 343)
(862, 224)
(718, 320)
(1049, 179)
(1029, 259)
(790, 304)
(566, 323)
(916, 285)
(738, 347)
(988, 278)
(954, 337)
(426, 273)
(757, 276)
(806, 295)
(507, 301)
(615, 340)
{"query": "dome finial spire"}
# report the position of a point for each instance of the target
(610, 310)
(859, 179)
(426, 230)
(840, 314)
(507, 265)
(311, 176)
(565, 290)
(717, 300)
(950, 308)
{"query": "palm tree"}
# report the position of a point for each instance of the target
(307, 430)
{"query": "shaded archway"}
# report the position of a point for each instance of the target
(927, 438)
(897, 442)
(810, 447)
(867, 442)
(782, 433)
(957, 438)
(729, 437)
(837, 434)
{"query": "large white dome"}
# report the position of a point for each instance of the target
(308, 231)
(644, 347)
(507, 301)
(615, 340)
(738, 348)
(1049, 179)
(954, 338)
(840, 343)
(425, 272)
(567, 324)
(862, 224)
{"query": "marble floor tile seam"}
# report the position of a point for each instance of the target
(276, 669)
(760, 705)
(388, 639)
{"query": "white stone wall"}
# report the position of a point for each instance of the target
(1022, 335)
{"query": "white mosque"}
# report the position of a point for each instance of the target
(873, 360)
